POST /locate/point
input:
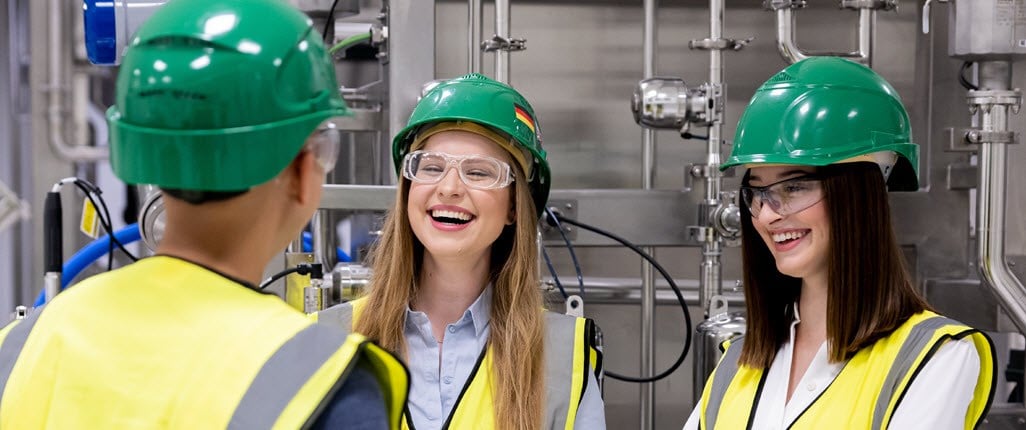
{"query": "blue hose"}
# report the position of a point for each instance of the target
(89, 254)
(340, 255)
(99, 247)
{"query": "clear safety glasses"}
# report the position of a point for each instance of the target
(324, 143)
(477, 171)
(785, 197)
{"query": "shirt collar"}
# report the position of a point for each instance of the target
(479, 312)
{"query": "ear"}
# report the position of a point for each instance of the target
(307, 178)
(511, 217)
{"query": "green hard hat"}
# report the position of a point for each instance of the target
(825, 110)
(479, 99)
(219, 95)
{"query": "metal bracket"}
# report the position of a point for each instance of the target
(957, 140)
(710, 110)
(975, 137)
(715, 95)
(499, 43)
(700, 234)
(869, 4)
(698, 171)
(379, 34)
(783, 4)
(962, 176)
(720, 44)
(575, 306)
(567, 208)
(12, 208)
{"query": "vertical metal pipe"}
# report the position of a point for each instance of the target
(993, 268)
(711, 269)
(322, 232)
(474, 21)
(867, 33)
(59, 50)
(648, 141)
(785, 36)
(296, 245)
(502, 18)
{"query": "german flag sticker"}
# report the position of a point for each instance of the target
(524, 117)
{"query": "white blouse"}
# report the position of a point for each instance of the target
(937, 399)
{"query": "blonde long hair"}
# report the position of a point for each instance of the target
(517, 323)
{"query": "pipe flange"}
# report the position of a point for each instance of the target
(499, 43)
(783, 4)
(719, 44)
(984, 98)
(869, 4)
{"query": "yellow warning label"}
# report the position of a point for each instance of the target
(90, 223)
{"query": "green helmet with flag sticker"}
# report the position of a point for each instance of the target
(478, 99)
(219, 95)
(827, 110)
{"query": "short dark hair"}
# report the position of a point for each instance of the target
(196, 197)
(870, 291)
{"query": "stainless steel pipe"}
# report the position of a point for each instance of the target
(322, 246)
(711, 269)
(59, 49)
(502, 28)
(648, 288)
(474, 21)
(992, 265)
(788, 46)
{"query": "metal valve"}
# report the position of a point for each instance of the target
(669, 103)
(727, 219)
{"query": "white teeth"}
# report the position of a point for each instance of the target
(463, 216)
(781, 237)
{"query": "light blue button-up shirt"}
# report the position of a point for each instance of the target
(436, 381)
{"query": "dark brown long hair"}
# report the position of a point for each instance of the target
(870, 291)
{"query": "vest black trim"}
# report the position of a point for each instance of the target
(470, 379)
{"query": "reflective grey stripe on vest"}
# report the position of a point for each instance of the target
(560, 337)
(725, 373)
(340, 316)
(284, 374)
(12, 346)
(918, 339)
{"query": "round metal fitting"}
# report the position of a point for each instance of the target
(994, 98)
(661, 103)
(151, 220)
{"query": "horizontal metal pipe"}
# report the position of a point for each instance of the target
(628, 290)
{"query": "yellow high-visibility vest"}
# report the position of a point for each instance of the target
(570, 354)
(868, 389)
(165, 343)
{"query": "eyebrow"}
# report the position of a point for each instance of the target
(752, 177)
